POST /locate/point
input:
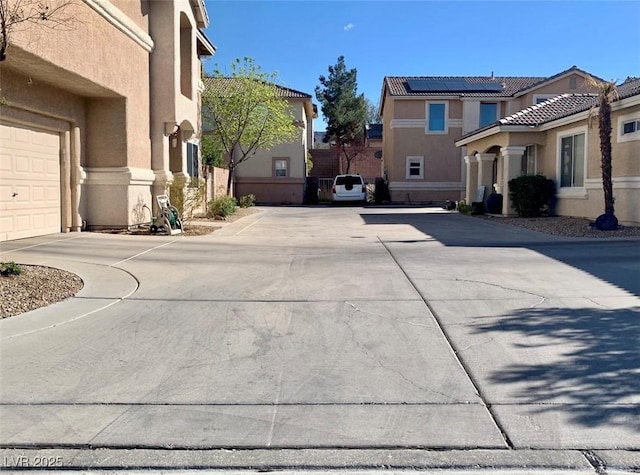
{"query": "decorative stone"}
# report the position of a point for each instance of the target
(607, 222)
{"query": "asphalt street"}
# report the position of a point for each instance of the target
(329, 338)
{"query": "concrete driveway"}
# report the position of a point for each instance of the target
(330, 337)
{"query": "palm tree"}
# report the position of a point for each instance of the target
(607, 93)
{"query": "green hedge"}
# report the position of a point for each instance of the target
(531, 194)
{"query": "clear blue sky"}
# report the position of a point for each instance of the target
(300, 39)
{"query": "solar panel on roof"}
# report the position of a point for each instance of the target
(451, 85)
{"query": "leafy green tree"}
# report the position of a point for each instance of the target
(246, 113)
(211, 152)
(344, 110)
(607, 93)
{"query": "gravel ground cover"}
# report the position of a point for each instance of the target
(40, 286)
(35, 287)
(564, 226)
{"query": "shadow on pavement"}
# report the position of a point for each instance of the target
(598, 374)
(617, 262)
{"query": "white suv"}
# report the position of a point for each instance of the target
(349, 188)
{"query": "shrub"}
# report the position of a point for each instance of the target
(530, 194)
(247, 201)
(222, 207)
(10, 268)
(464, 208)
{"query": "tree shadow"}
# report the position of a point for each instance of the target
(614, 261)
(600, 364)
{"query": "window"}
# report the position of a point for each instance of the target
(631, 127)
(280, 166)
(573, 82)
(488, 113)
(572, 161)
(540, 98)
(528, 166)
(628, 127)
(437, 117)
(192, 160)
(415, 168)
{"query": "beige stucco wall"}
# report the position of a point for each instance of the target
(256, 175)
(588, 201)
(559, 86)
(93, 78)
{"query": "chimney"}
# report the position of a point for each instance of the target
(492, 76)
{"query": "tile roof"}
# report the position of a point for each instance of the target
(511, 85)
(560, 106)
(398, 86)
(222, 85)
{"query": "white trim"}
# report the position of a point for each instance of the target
(572, 193)
(426, 185)
(119, 176)
(456, 123)
(202, 38)
(446, 118)
(619, 183)
(408, 123)
(559, 136)
(420, 160)
(122, 22)
(632, 137)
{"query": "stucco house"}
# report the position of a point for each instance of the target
(277, 175)
(98, 116)
(559, 138)
(423, 117)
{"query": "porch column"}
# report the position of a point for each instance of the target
(511, 168)
(76, 179)
(485, 171)
(65, 182)
(472, 178)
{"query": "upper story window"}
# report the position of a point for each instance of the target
(540, 98)
(488, 113)
(629, 127)
(572, 160)
(437, 117)
(415, 168)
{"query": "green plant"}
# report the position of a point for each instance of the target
(463, 207)
(530, 194)
(247, 201)
(221, 207)
(10, 268)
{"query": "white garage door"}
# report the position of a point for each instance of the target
(29, 182)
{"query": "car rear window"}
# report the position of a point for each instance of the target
(348, 180)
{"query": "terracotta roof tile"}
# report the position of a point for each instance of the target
(222, 85)
(397, 85)
(560, 106)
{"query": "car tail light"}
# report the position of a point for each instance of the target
(364, 188)
(333, 189)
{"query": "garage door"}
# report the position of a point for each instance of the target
(29, 182)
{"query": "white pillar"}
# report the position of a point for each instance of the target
(511, 168)
(472, 178)
(65, 183)
(485, 171)
(76, 179)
